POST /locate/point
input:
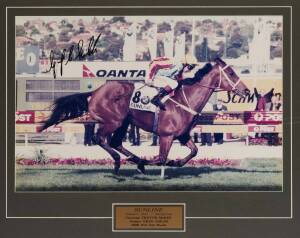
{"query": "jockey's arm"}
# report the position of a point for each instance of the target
(172, 72)
(156, 70)
(152, 72)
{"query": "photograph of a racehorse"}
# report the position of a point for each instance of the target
(109, 106)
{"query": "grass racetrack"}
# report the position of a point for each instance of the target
(266, 175)
(227, 167)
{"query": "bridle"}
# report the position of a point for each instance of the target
(225, 77)
(222, 72)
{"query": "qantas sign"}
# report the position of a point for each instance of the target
(114, 73)
(119, 70)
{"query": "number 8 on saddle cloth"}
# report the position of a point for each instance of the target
(141, 97)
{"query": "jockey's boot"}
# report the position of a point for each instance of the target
(156, 99)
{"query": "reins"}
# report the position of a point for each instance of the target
(221, 73)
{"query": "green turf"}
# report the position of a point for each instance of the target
(251, 175)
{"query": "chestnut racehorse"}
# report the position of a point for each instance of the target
(109, 106)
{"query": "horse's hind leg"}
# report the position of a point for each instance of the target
(187, 141)
(116, 143)
(102, 142)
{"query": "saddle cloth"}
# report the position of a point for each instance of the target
(141, 97)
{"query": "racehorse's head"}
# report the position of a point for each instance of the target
(228, 79)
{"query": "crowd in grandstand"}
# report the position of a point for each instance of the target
(227, 38)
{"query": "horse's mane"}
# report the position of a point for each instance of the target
(220, 61)
(198, 75)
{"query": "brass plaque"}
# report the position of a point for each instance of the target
(149, 217)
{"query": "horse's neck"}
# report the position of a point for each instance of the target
(199, 93)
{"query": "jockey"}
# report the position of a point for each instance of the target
(164, 74)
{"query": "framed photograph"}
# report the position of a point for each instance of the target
(173, 120)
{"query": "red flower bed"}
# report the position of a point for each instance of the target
(85, 161)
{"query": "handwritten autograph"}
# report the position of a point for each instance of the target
(67, 55)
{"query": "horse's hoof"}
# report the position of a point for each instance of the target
(117, 167)
(141, 168)
(117, 170)
(171, 163)
(174, 163)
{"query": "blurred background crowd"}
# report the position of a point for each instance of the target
(218, 36)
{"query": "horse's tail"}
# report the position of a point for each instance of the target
(66, 108)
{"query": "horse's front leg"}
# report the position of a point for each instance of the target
(179, 163)
(165, 143)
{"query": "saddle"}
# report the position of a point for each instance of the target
(141, 97)
(141, 100)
